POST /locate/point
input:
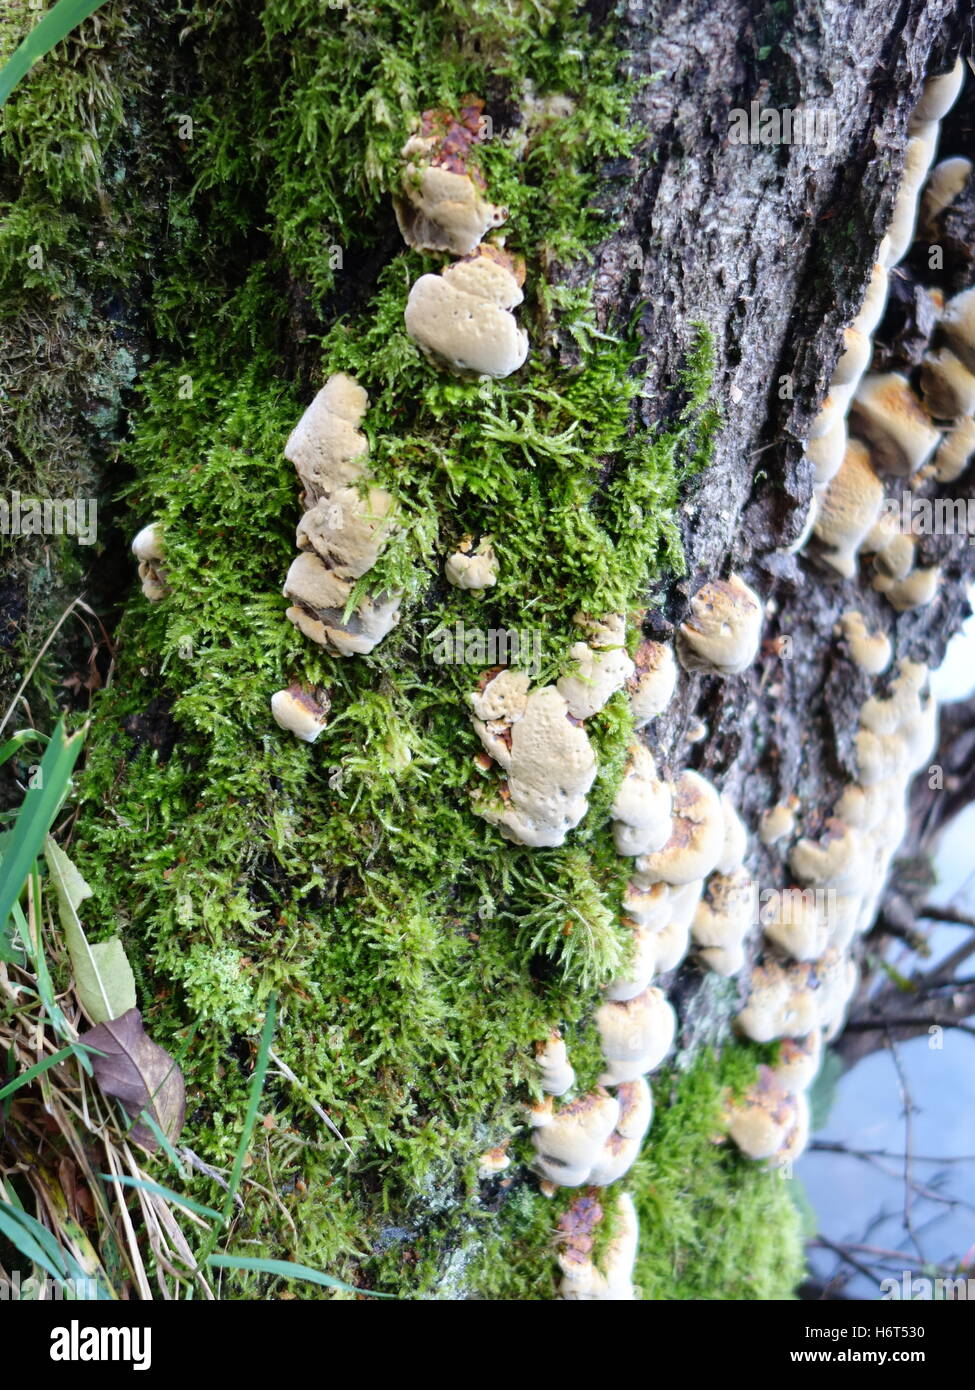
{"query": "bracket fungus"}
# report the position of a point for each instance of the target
(724, 918)
(764, 1120)
(892, 420)
(462, 317)
(300, 712)
(724, 629)
(472, 567)
(642, 808)
(611, 1280)
(569, 1141)
(790, 1001)
(850, 508)
(148, 550)
(954, 452)
(697, 836)
(653, 682)
(948, 387)
(601, 666)
(550, 768)
(441, 206)
(343, 529)
(958, 326)
(558, 1075)
(622, 1148)
(870, 651)
(635, 1035)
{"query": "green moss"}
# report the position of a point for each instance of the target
(416, 956)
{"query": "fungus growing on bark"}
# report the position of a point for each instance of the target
(954, 452)
(642, 808)
(850, 508)
(550, 767)
(735, 845)
(917, 590)
(148, 550)
(798, 1062)
(874, 300)
(944, 184)
(622, 1148)
(635, 1035)
(558, 1075)
(724, 629)
(790, 1000)
(472, 568)
(462, 317)
(958, 326)
(791, 920)
(652, 684)
(763, 1120)
(778, 822)
(696, 838)
(345, 526)
(938, 96)
(826, 452)
(612, 1280)
(300, 712)
(854, 359)
(569, 1143)
(870, 651)
(891, 418)
(723, 919)
(441, 206)
(490, 1164)
(601, 666)
(948, 387)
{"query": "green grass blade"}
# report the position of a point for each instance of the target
(55, 26)
(38, 1069)
(166, 1193)
(288, 1271)
(34, 820)
(253, 1101)
(12, 745)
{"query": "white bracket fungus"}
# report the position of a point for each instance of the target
(870, 651)
(724, 918)
(635, 1035)
(472, 568)
(697, 836)
(550, 767)
(654, 680)
(300, 712)
(601, 666)
(462, 317)
(343, 529)
(891, 418)
(948, 387)
(442, 206)
(778, 822)
(764, 1121)
(849, 510)
(148, 550)
(724, 629)
(558, 1075)
(611, 1281)
(569, 1142)
(642, 809)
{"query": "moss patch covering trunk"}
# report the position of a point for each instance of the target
(212, 199)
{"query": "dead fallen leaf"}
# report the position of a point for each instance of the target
(140, 1073)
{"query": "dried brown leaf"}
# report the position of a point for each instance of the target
(140, 1073)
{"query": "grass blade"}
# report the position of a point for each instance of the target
(253, 1101)
(288, 1271)
(55, 26)
(166, 1193)
(38, 809)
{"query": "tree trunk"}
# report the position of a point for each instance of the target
(237, 866)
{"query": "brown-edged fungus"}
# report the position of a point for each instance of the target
(550, 768)
(599, 666)
(148, 550)
(958, 326)
(653, 682)
(724, 918)
(826, 453)
(569, 1143)
(891, 418)
(854, 359)
(781, 1003)
(490, 1164)
(724, 629)
(319, 597)
(472, 567)
(918, 158)
(622, 1148)
(642, 809)
(874, 299)
(955, 452)
(762, 1121)
(792, 921)
(798, 1062)
(557, 1073)
(948, 387)
(462, 317)
(442, 204)
(300, 712)
(611, 1281)
(850, 508)
(945, 183)
(696, 839)
(870, 651)
(635, 1035)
